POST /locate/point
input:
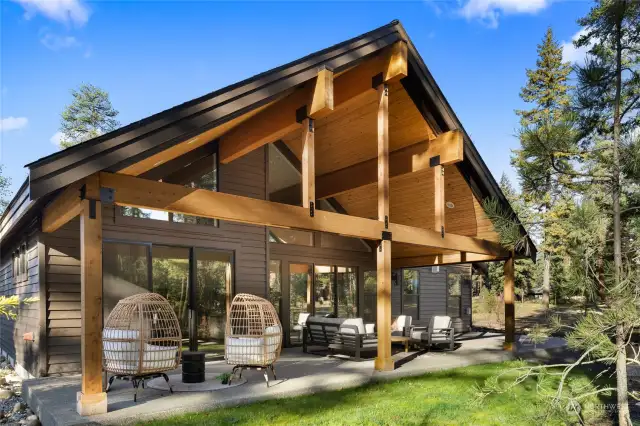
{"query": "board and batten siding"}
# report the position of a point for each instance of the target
(24, 354)
(433, 296)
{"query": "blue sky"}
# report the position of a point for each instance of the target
(151, 55)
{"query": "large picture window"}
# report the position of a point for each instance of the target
(370, 313)
(202, 174)
(411, 293)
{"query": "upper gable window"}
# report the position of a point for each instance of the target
(200, 174)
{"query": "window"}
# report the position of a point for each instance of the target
(290, 236)
(20, 262)
(370, 308)
(339, 242)
(324, 294)
(454, 292)
(347, 292)
(198, 288)
(275, 284)
(411, 293)
(206, 177)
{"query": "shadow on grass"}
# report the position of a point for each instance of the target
(445, 397)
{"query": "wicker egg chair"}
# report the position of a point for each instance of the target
(253, 337)
(141, 339)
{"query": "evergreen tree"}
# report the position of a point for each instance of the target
(4, 190)
(89, 115)
(547, 90)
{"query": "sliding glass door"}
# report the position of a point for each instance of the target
(196, 282)
(324, 294)
(300, 282)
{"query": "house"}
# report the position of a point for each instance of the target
(341, 183)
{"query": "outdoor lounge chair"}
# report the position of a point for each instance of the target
(302, 323)
(319, 331)
(353, 338)
(439, 331)
(402, 326)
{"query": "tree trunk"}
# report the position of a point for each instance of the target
(624, 418)
(615, 181)
(546, 280)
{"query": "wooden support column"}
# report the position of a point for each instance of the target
(383, 361)
(439, 199)
(91, 399)
(509, 307)
(308, 164)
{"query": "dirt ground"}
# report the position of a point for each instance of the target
(528, 314)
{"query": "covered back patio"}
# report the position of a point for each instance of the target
(372, 134)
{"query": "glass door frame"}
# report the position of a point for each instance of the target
(285, 268)
(193, 271)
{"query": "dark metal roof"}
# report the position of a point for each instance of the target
(127, 145)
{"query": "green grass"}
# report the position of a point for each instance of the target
(442, 398)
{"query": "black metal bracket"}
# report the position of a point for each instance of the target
(434, 161)
(377, 80)
(386, 222)
(301, 114)
(442, 231)
(386, 235)
(92, 209)
(83, 192)
(107, 195)
(312, 210)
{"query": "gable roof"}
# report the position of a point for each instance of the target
(139, 140)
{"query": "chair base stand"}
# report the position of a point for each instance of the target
(238, 369)
(137, 381)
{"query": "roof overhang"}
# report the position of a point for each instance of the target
(119, 149)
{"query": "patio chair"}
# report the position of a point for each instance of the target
(302, 323)
(439, 331)
(319, 331)
(353, 338)
(402, 326)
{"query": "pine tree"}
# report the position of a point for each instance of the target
(547, 90)
(88, 116)
(5, 182)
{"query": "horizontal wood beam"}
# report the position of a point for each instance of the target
(280, 118)
(443, 259)
(136, 192)
(448, 146)
(63, 208)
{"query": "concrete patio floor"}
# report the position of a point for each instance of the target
(53, 399)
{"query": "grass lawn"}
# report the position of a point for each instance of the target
(443, 398)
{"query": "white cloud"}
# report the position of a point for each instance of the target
(65, 11)
(489, 11)
(573, 54)
(13, 123)
(56, 138)
(57, 42)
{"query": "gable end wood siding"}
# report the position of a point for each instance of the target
(24, 353)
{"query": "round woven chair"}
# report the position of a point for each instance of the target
(253, 337)
(141, 339)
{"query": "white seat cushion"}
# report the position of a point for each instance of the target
(358, 322)
(370, 328)
(302, 318)
(403, 322)
(441, 322)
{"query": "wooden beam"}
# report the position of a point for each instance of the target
(308, 163)
(383, 361)
(509, 307)
(280, 118)
(91, 399)
(438, 198)
(442, 259)
(321, 102)
(63, 208)
(416, 157)
(136, 192)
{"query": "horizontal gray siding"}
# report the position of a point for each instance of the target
(23, 352)
(62, 254)
(433, 296)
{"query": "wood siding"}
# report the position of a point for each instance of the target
(26, 353)
(433, 296)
